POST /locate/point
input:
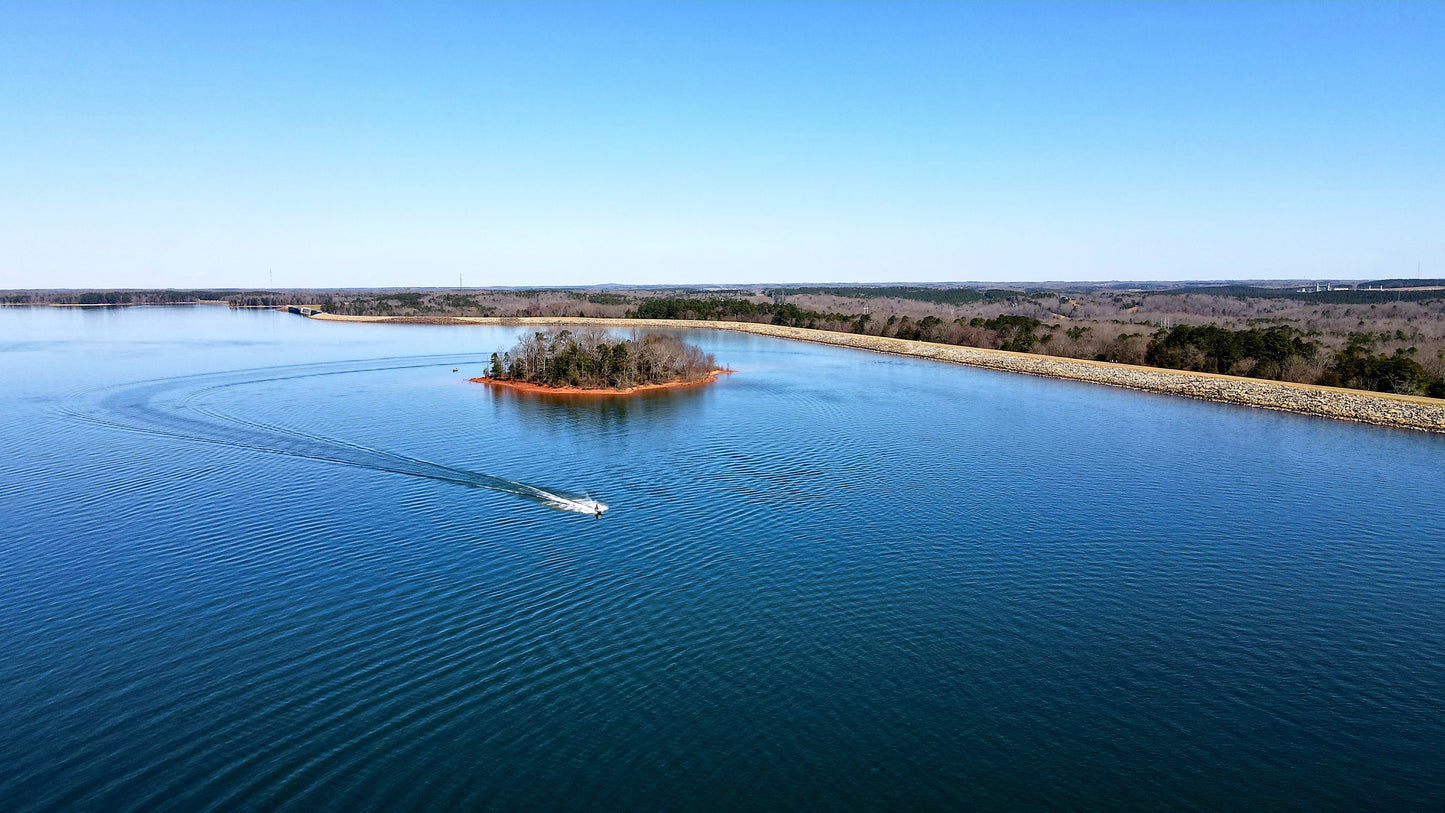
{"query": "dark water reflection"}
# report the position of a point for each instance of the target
(550, 411)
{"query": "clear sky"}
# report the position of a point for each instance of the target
(338, 144)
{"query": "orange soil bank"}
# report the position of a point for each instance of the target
(542, 389)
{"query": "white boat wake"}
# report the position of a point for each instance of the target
(577, 506)
(170, 408)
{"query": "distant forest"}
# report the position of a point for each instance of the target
(122, 297)
(1279, 352)
(939, 296)
(593, 360)
(1341, 296)
(1358, 336)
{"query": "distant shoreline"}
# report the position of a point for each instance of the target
(188, 304)
(598, 392)
(1380, 409)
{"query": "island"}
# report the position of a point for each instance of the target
(592, 362)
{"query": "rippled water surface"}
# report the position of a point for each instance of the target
(251, 561)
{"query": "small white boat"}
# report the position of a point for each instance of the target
(580, 506)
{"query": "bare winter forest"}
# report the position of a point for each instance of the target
(592, 359)
(1386, 335)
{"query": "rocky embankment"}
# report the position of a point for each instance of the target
(1327, 402)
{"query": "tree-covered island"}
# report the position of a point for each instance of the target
(593, 360)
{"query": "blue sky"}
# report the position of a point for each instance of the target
(334, 144)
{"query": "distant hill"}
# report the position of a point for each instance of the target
(1336, 297)
(1404, 283)
(938, 296)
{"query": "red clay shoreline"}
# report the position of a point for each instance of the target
(584, 392)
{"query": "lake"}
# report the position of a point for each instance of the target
(254, 561)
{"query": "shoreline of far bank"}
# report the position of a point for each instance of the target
(1361, 406)
(595, 392)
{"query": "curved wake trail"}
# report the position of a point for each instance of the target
(169, 408)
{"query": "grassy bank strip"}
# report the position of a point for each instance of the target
(1383, 409)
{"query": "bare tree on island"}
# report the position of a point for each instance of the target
(592, 359)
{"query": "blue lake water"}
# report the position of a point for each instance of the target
(243, 566)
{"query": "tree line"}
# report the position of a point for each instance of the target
(1339, 296)
(1276, 353)
(1268, 353)
(593, 360)
(937, 296)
